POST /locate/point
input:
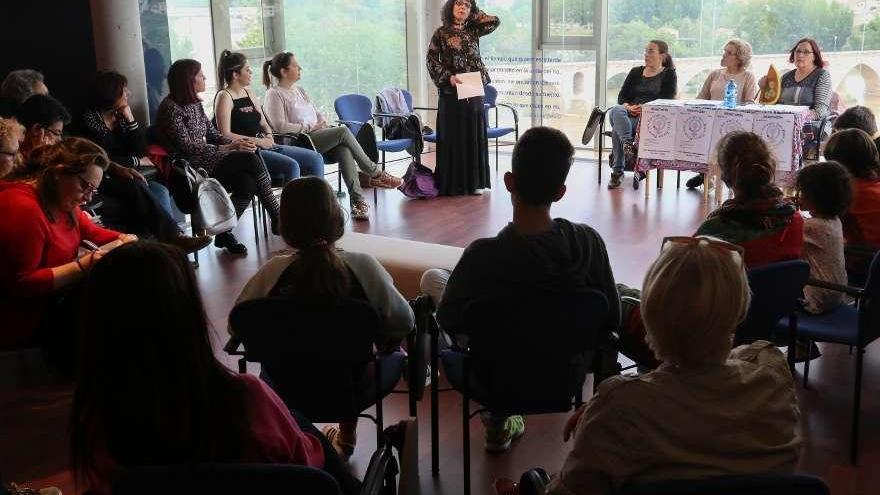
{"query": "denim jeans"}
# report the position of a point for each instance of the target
(163, 197)
(290, 162)
(623, 127)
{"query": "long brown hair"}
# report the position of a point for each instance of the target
(663, 48)
(311, 222)
(70, 156)
(747, 166)
(149, 389)
(274, 66)
(230, 63)
(181, 81)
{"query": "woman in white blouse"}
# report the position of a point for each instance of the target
(289, 109)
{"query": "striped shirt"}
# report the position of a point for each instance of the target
(813, 91)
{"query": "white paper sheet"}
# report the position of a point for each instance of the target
(471, 85)
(657, 131)
(777, 130)
(693, 133)
(727, 121)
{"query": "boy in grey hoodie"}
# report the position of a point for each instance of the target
(533, 254)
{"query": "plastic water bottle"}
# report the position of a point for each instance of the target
(730, 94)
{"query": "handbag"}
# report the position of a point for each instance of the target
(418, 182)
(181, 184)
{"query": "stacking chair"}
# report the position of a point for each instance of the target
(223, 479)
(776, 288)
(316, 355)
(355, 110)
(855, 326)
(525, 357)
(490, 101)
(430, 137)
(751, 484)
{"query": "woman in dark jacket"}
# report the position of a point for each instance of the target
(462, 150)
(654, 80)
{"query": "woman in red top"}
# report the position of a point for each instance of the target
(40, 239)
(150, 391)
(856, 151)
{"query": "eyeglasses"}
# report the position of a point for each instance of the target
(54, 132)
(650, 50)
(803, 52)
(716, 243)
(462, 3)
(87, 187)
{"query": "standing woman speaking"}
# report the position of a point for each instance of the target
(462, 149)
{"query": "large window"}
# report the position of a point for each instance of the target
(347, 47)
(848, 32)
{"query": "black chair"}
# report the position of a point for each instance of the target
(223, 479)
(776, 288)
(316, 355)
(753, 484)
(525, 357)
(856, 326)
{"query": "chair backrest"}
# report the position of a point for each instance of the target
(353, 107)
(531, 355)
(870, 307)
(776, 288)
(223, 479)
(491, 95)
(314, 355)
(756, 484)
(407, 96)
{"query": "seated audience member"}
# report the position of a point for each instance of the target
(311, 223)
(150, 390)
(825, 191)
(858, 117)
(533, 253)
(289, 109)
(667, 424)
(39, 239)
(137, 205)
(185, 130)
(766, 224)
(11, 135)
(43, 118)
(645, 83)
(855, 150)
(18, 86)
(239, 116)
(809, 84)
(736, 59)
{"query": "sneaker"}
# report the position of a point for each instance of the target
(386, 181)
(344, 449)
(230, 243)
(616, 180)
(695, 181)
(500, 440)
(360, 210)
(190, 244)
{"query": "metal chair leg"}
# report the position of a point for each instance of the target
(256, 226)
(857, 403)
(466, 430)
(435, 406)
(496, 156)
(379, 419)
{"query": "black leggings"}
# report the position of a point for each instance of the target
(333, 465)
(243, 174)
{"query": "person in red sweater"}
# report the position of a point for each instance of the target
(856, 151)
(40, 239)
(150, 391)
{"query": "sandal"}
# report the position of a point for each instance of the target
(344, 449)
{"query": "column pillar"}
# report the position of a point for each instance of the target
(117, 29)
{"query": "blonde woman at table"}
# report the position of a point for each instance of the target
(645, 83)
(736, 58)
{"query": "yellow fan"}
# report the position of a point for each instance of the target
(773, 87)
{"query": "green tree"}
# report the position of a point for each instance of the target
(773, 26)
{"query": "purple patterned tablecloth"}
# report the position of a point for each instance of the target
(786, 177)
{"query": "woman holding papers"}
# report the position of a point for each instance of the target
(462, 149)
(645, 83)
(39, 243)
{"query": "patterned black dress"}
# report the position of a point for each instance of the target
(462, 150)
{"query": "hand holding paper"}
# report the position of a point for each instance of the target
(471, 85)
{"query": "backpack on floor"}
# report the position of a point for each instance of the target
(203, 197)
(418, 182)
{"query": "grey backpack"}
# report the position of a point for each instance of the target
(214, 211)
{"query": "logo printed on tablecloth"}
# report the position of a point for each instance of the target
(659, 125)
(694, 127)
(773, 133)
(730, 125)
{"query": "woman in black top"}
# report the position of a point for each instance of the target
(656, 79)
(142, 207)
(462, 149)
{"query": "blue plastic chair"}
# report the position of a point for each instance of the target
(855, 326)
(754, 484)
(776, 288)
(525, 357)
(490, 100)
(223, 479)
(432, 137)
(354, 111)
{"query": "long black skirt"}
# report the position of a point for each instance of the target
(462, 150)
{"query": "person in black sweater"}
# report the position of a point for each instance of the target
(534, 254)
(136, 204)
(656, 79)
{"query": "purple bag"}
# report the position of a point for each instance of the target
(418, 182)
